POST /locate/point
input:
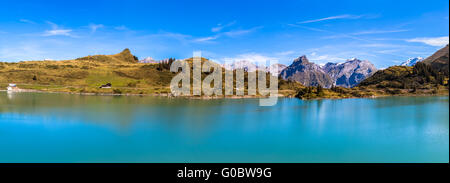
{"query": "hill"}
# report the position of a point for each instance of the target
(87, 74)
(428, 76)
(439, 60)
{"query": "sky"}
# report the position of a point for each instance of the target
(383, 32)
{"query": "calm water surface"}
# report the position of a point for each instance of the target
(40, 127)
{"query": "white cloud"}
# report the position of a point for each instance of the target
(206, 39)
(286, 53)
(254, 58)
(433, 41)
(234, 33)
(219, 27)
(332, 18)
(122, 27)
(325, 58)
(94, 27)
(379, 32)
(24, 51)
(58, 32)
(27, 21)
(381, 45)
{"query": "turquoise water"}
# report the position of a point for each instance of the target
(40, 127)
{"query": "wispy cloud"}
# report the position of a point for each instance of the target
(379, 32)
(232, 33)
(325, 58)
(25, 51)
(240, 32)
(206, 39)
(219, 27)
(381, 45)
(27, 21)
(94, 27)
(122, 27)
(346, 16)
(335, 35)
(286, 53)
(433, 41)
(250, 57)
(56, 31)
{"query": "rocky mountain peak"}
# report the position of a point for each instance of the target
(301, 60)
(307, 73)
(412, 61)
(349, 73)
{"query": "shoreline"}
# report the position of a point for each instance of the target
(168, 95)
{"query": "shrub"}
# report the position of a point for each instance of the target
(131, 84)
(52, 66)
(117, 91)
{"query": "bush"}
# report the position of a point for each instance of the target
(117, 91)
(394, 92)
(52, 66)
(131, 84)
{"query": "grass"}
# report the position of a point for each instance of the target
(87, 74)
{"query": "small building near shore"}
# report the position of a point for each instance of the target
(12, 87)
(107, 85)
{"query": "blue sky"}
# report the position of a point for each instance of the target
(383, 32)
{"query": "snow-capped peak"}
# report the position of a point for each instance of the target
(147, 60)
(412, 61)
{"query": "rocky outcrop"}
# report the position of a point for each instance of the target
(307, 73)
(349, 73)
(439, 60)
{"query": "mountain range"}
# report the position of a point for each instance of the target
(307, 73)
(148, 60)
(274, 69)
(128, 75)
(347, 74)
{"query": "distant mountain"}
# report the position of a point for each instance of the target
(244, 64)
(148, 60)
(349, 73)
(251, 67)
(411, 61)
(307, 73)
(427, 74)
(272, 68)
(439, 60)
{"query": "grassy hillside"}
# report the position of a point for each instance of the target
(427, 77)
(439, 60)
(87, 74)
